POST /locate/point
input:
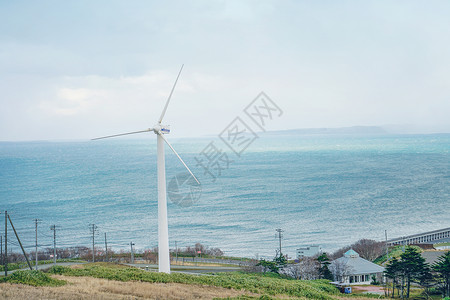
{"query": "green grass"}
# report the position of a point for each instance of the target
(441, 244)
(190, 256)
(395, 251)
(264, 297)
(254, 283)
(34, 278)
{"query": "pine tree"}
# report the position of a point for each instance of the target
(412, 267)
(442, 267)
(266, 265)
(426, 280)
(393, 272)
(324, 271)
(280, 261)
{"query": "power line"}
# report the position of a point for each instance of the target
(31, 246)
(46, 235)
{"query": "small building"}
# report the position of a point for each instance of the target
(308, 251)
(352, 269)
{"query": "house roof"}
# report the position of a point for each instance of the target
(358, 265)
(351, 253)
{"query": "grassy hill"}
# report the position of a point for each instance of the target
(120, 279)
(395, 251)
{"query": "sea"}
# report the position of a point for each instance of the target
(327, 190)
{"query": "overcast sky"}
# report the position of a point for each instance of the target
(80, 69)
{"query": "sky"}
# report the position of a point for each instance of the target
(81, 69)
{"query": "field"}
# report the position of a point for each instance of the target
(94, 288)
(108, 281)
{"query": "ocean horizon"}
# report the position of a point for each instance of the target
(328, 190)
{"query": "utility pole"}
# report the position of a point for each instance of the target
(106, 248)
(93, 229)
(132, 254)
(176, 251)
(387, 247)
(1, 248)
(6, 243)
(386, 289)
(53, 227)
(36, 223)
(279, 234)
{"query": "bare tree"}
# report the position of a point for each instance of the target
(200, 248)
(215, 252)
(306, 269)
(340, 270)
(291, 271)
(253, 266)
(309, 268)
(339, 253)
(150, 256)
(367, 249)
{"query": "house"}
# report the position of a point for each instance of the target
(308, 251)
(352, 269)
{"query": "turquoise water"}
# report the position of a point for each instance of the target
(327, 190)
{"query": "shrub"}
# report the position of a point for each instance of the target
(34, 278)
(374, 280)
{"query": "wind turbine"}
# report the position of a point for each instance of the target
(163, 229)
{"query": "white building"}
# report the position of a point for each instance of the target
(309, 251)
(352, 269)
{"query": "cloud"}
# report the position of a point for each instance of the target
(110, 66)
(73, 101)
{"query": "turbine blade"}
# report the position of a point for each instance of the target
(170, 146)
(110, 136)
(170, 96)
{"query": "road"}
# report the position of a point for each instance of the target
(188, 269)
(214, 261)
(46, 266)
(154, 267)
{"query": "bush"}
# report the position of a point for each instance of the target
(34, 278)
(374, 280)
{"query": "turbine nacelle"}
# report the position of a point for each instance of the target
(159, 128)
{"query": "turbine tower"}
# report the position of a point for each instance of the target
(163, 229)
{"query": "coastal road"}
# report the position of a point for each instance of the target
(188, 269)
(46, 266)
(214, 261)
(154, 268)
